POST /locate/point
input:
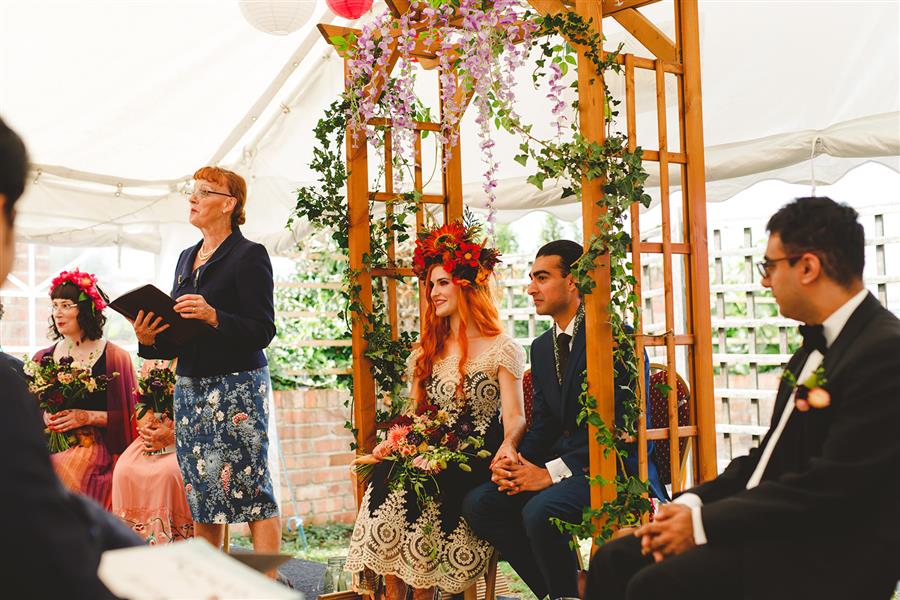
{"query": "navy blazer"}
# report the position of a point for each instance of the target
(237, 282)
(555, 432)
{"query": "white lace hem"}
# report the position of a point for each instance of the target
(419, 553)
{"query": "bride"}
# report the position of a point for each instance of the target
(467, 367)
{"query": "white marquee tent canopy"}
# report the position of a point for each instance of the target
(120, 102)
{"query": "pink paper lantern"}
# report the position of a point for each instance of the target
(349, 9)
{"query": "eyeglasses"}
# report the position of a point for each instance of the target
(62, 307)
(765, 266)
(203, 193)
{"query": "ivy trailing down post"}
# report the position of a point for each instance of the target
(480, 46)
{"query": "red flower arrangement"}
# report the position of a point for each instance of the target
(86, 282)
(454, 247)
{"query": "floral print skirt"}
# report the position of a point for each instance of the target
(221, 442)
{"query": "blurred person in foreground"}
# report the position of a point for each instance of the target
(55, 537)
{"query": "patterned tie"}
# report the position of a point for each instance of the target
(814, 338)
(562, 346)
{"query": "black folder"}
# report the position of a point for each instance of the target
(150, 298)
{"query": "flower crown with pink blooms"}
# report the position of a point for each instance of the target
(86, 282)
(454, 246)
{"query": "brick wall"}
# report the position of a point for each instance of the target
(316, 454)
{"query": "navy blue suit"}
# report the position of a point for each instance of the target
(519, 525)
(237, 282)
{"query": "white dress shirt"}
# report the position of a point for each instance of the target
(557, 468)
(831, 328)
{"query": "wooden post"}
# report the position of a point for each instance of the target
(631, 128)
(453, 197)
(598, 331)
(360, 244)
(694, 190)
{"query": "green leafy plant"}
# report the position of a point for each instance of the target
(570, 160)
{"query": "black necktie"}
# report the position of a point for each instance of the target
(814, 338)
(562, 347)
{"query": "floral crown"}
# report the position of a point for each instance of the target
(86, 282)
(454, 247)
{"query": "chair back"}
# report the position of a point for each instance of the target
(658, 411)
(528, 393)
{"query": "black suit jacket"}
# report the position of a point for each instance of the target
(833, 480)
(237, 282)
(55, 537)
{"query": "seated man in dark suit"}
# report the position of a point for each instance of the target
(812, 512)
(513, 511)
(54, 538)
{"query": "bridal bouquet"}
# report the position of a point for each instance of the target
(156, 393)
(57, 385)
(424, 444)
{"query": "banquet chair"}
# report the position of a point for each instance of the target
(658, 409)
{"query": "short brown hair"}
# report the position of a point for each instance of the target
(236, 185)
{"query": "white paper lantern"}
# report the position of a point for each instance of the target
(278, 17)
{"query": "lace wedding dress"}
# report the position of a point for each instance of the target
(433, 545)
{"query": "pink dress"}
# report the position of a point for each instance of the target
(148, 494)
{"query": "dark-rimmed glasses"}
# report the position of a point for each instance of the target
(765, 266)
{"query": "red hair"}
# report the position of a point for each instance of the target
(476, 306)
(236, 185)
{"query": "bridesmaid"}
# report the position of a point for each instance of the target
(103, 420)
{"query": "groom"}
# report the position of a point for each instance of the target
(812, 512)
(513, 511)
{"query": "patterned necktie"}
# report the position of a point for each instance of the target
(562, 348)
(814, 338)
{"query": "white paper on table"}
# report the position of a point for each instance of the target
(192, 569)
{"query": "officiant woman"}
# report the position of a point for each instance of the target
(222, 384)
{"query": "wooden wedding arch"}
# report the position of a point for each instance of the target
(688, 336)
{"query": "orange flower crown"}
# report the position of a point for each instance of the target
(454, 247)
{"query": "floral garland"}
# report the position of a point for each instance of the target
(579, 321)
(86, 282)
(488, 29)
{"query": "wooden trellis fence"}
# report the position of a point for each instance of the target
(679, 58)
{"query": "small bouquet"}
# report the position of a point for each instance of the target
(424, 444)
(156, 393)
(57, 385)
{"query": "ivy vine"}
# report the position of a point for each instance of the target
(570, 161)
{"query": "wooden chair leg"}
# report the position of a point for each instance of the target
(471, 592)
(226, 542)
(490, 577)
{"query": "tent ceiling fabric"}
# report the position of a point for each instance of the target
(121, 102)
